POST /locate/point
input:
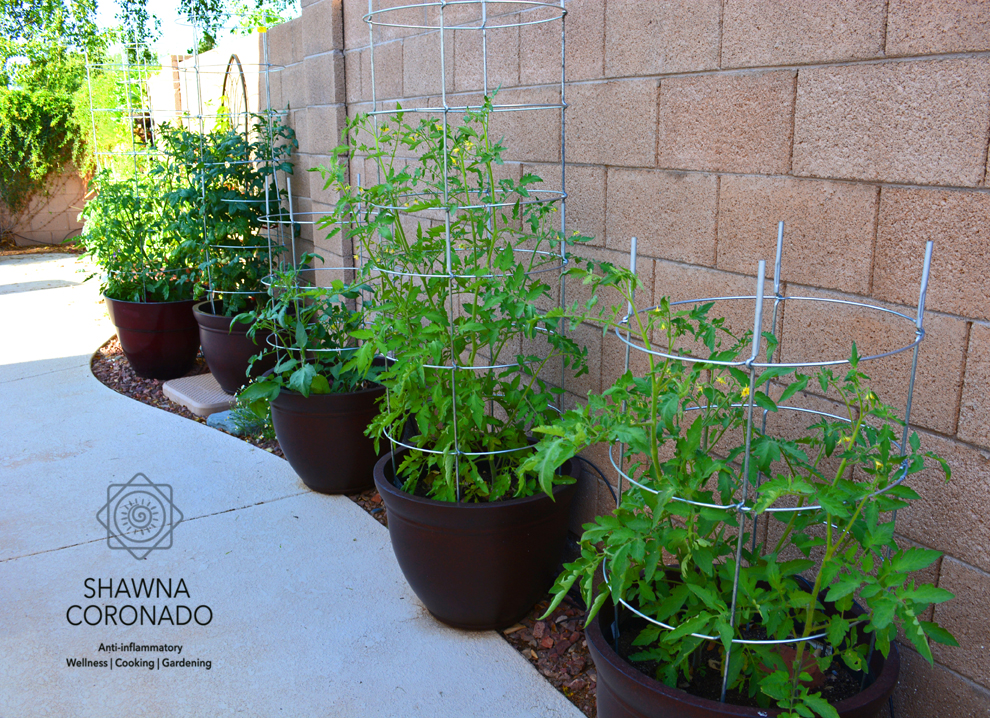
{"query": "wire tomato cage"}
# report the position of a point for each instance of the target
(242, 91)
(744, 507)
(153, 94)
(442, 18)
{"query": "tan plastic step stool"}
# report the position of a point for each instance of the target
(201, 394)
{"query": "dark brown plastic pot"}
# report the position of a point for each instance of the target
(159, 339)
(322, 437)
(228, 349)
(624, 692)
(477, 566)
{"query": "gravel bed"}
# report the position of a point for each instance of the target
(555, 646)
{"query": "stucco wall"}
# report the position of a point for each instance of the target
(696, 125)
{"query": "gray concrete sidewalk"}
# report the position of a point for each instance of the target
(310, 613)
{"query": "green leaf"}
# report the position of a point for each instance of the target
(939, 634)
(820, 706)
(320, 385)
(692, 625)
(764, 401)
(302, 379)
(843, 587)
(914, 559)
(927, 594)
(793, 388)
(838, 627)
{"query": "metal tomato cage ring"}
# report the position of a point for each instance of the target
(742, 507)
(751, 365)
(273, 286)
(555, 11)
(735, 641)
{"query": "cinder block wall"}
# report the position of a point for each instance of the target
(310, 83)
(696, 125)
(51, 217)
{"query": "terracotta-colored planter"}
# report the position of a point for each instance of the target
(159, 339)
(228, 349)
(322, 437)
(624, 692)
(477, 566)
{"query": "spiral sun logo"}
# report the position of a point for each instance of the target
(139, 516)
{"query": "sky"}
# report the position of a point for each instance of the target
(176, 37)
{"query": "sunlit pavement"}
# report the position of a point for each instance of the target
(290, 603)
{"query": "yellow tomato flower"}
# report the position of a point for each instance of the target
(745, 391)
(720, 380)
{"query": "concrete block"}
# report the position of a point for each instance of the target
(421, 66)
(974, 408)
(925, 691)
(956, 222)
(950, 516)
(539, 46)
(325, 126)
(727, 122)
(503, 58)
(828, 229)
(285, 43)
(612, 123)
(585, 197)
(271, 94)
(590, 337)
(468, 15)
(672, 214)
(844, 122)
(789, 32)
(920, 27)
(654, 38)
(529, 135)
(355, 28)
(395, 16)
(354, 72)
(965, 617)
(388, 71)
(681, 282)
(295, 87)
(816, 331)
(296, 119)
(323, 27)
(200, 394)
(300, 178)
(325, 78)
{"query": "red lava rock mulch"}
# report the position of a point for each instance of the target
(555, 646)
